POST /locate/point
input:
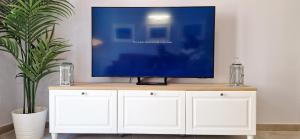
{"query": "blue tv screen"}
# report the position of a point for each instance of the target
(153, 42)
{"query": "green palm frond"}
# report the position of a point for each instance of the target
(10, 46)
(27, 33)
(36, 17)
(45, 57)
(4, 10)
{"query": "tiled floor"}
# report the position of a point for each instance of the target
(260, 135)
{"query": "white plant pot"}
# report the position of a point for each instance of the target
(29, 126)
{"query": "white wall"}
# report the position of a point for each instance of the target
(270, 40)
(263, 33)
(7, 88)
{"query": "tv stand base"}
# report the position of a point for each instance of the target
(140, 82)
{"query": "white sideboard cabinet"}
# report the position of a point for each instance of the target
(151, 112)
(184, 109)
(220, 113)
(83, 111)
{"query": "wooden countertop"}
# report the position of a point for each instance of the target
(171, 86)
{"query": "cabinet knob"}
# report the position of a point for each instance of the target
(221, 94)
(83, 93)
(151, 93)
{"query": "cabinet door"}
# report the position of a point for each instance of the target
(221, 113)
(81, 111)
(151, 112)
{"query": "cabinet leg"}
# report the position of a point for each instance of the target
(250, 137)
(54, 135)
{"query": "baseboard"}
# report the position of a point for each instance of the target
(278, 127)
(6, 128)
(259, 127)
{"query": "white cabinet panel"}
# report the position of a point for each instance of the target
(151, 112)
(220, 113)
(80, 111)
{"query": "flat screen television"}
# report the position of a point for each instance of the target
(153, 42)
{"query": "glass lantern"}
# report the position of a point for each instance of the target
(236, 73)
(66, 74)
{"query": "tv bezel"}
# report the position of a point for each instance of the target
(214, 31)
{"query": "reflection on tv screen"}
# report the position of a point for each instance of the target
(153, 42)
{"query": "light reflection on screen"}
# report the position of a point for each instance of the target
(159, 42)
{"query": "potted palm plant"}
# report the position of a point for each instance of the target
(27, 33)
